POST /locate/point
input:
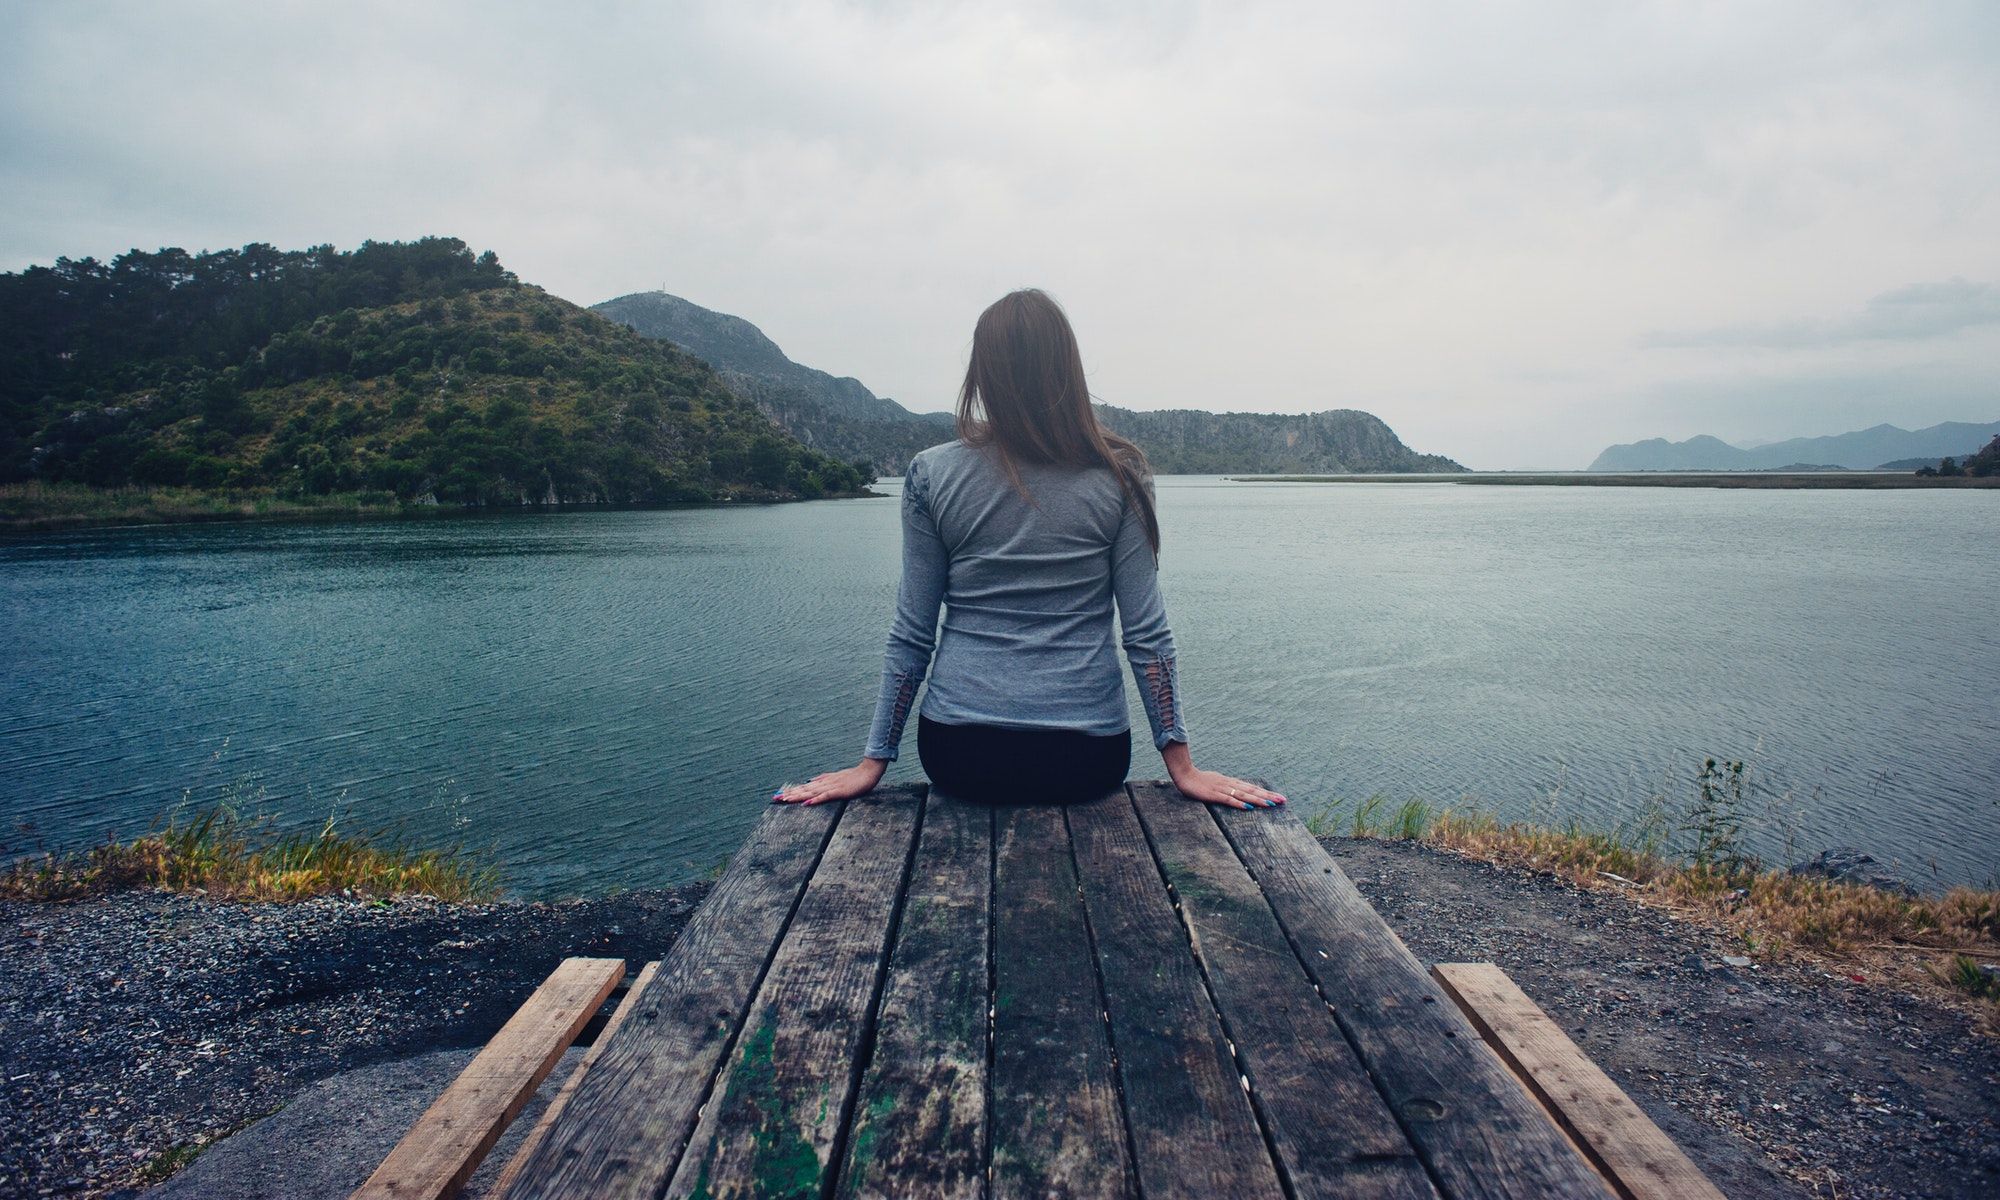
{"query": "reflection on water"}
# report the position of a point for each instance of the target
(608, 698)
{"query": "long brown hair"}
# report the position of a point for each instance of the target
(1024, 396)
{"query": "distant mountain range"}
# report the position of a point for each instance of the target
(842, 417)
(1882, 446)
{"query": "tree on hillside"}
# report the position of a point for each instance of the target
(1986, 461)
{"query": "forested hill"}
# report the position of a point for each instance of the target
(844, 417)
(836, 414)
(415, 369)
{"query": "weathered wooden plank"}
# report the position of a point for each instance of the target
(1477, 1131)
(561, 1098)
(1641, 1162)
(623, 1131)
(1333, 1134)
(772, 1128)
(919, 1124)
(445, 1146)
(1057, 1129)
(1193, 1131)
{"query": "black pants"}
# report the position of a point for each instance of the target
(1021, 766)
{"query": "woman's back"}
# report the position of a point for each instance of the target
(1026, 531)
(1028, 590)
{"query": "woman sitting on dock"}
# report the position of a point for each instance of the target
(1026, 528)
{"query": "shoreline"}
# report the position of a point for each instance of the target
(149, 1026)
(144, 507)
(1782, 480)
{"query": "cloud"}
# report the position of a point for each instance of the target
(1914, 313)
(1460, 216)
(1762, 406)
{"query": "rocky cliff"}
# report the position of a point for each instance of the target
(1337, 441)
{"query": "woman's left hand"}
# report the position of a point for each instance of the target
(1213, 787)
(834, 785)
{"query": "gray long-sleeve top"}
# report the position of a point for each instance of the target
(1027, 588)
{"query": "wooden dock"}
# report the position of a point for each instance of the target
(906, 995)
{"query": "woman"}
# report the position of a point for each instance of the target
(1026, 529)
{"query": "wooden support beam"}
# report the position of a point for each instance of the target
(445, 1146)
(561, 1098)
(1640, 1161)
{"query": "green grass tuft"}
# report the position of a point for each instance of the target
(1966, 975)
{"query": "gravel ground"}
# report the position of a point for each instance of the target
(1778, 1079)
(142, 1023)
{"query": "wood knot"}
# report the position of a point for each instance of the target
(1422, 1108)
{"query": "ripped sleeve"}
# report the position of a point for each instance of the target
(1148, 641)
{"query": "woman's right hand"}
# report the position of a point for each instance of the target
(834, 785)
(1213, 787)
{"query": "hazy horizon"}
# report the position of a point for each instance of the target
(1516, 236)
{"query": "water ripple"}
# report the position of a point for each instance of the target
(608, 698)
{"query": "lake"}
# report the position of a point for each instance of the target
(607, 699)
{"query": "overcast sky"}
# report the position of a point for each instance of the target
(1515, 232)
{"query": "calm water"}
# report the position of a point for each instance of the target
(608, 698)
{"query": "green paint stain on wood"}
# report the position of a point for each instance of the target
(783, 1164)
(865, 1132)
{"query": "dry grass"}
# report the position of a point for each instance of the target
(1933, 940)
(222, 855)
(1771, 906)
